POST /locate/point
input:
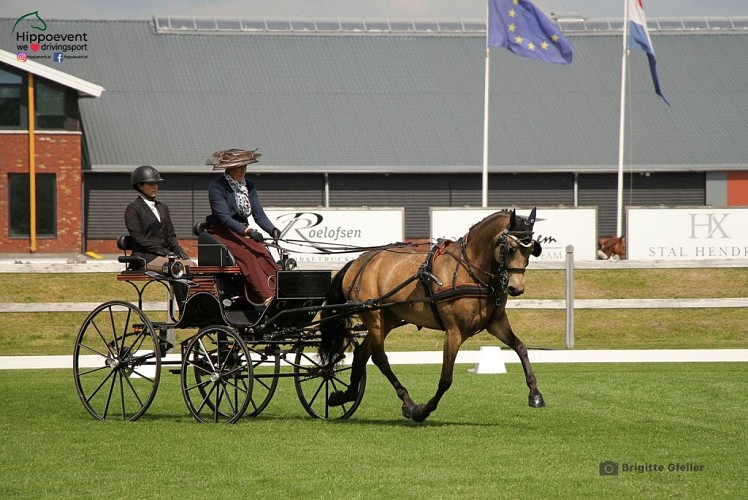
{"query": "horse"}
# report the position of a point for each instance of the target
(611, 247)
(460, 287)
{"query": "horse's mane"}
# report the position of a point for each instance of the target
(500, 213)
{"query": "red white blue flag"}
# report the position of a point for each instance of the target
(639, 39)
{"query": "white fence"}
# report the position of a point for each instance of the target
(570, 304)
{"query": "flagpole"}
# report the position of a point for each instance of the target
(622, 122)
(484, 180)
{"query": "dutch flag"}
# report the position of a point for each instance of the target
(639, 39)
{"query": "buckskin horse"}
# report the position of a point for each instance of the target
(460, 287)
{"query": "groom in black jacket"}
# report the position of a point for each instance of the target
(149, 223)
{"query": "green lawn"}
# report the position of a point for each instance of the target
(482, 442)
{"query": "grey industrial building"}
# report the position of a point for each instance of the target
(383, 113)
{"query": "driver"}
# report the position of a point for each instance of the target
(233, 200)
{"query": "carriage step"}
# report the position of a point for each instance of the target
(175, 371)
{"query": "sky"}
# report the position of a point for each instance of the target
(393, 9)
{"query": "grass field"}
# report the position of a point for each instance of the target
(483, 441)
(54, 333)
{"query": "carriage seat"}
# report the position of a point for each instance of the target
(134, 265)
(210, 251)
(124, 243)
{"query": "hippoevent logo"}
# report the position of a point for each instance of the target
(34, 40)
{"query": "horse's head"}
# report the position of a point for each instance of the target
(513, 249)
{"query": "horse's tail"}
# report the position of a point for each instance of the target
(335, 325)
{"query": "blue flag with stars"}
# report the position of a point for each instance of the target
(523, 29)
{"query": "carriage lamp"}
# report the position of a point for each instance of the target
(286, 263)
(173, 268)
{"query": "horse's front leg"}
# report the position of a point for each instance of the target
(499, 327)
(379, 357)
(452, 342)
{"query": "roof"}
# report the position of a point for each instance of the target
(405, 102)
(84, 88)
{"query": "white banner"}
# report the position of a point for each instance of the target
(331, 228)
(688, 233)
(555, 228)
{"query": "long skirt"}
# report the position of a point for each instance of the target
(256, 263)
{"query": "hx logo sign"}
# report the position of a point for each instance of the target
(708, 226)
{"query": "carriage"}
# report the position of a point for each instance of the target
(232, 365)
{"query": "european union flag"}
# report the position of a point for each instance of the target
(523, 29)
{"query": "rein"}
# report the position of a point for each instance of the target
(336, 248)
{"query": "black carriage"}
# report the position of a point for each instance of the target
(232, 365)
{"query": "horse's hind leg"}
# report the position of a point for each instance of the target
(501, 329)
(361, 355)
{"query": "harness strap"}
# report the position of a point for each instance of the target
(426, 276)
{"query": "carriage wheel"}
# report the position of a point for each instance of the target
(264, 381)
(116, 362)
(216, 375)
(265, 372)
(315, 382)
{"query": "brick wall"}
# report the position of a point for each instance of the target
(57, 153)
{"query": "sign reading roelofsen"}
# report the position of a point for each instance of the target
(319, 235)
(687, 233)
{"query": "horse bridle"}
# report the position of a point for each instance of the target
(522, 238)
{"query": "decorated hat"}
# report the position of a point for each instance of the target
(229, 158)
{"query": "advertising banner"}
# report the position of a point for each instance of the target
(687, 233)
(317, 235)
(555, 228)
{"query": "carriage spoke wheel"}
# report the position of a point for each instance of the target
(265, 370)
(315, 382)
(116, 362)
(216, 375)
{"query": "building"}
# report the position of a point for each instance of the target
(382, 113)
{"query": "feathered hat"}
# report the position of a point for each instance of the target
(229, 158)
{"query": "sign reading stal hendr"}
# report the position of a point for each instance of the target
(318, 234)
(687, 233)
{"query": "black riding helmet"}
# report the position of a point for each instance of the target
(144, 173)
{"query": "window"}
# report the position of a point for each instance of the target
(11, 100)
(56, 105)
(50, 106)
(46, 202)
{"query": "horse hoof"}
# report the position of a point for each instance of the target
(418, 414)
(536, 401)
(337, 398)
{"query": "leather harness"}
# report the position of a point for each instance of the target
(425, 275)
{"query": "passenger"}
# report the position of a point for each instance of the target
(149, 223)
(232, 200)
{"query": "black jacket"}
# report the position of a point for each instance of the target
(151, 238)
